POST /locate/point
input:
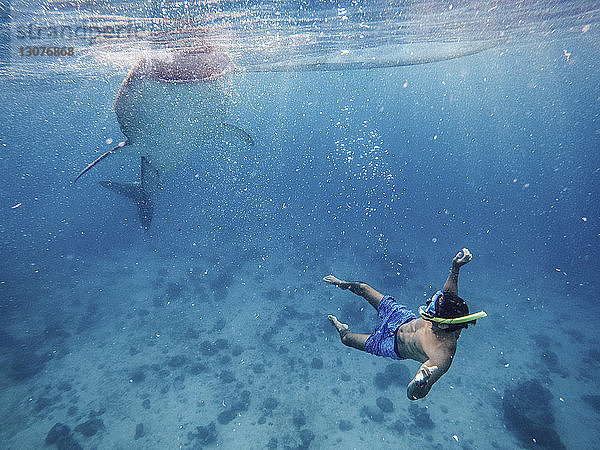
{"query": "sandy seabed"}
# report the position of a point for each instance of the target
(153, 352)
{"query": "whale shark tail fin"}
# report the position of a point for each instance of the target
(139, 192)
(136, 193)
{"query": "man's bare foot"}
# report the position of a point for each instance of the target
(333, 280)
(341, 327)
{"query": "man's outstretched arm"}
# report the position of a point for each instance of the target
(461, 258)
(428, 373)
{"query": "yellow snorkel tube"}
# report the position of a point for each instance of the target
(456, 320)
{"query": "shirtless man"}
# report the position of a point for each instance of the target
(431, 339)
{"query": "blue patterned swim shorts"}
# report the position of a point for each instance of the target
(381, 342)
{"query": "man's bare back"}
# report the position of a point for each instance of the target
(402, 335)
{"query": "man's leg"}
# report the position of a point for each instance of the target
(357, 287)
(354, 340)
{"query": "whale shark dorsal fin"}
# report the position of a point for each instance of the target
(100, 158)
(234, 133)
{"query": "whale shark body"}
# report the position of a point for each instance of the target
(167, 107)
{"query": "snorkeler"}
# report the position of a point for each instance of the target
(430, 339)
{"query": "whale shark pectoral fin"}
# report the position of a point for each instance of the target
(136, 193)
(100, 158)
(235, 133)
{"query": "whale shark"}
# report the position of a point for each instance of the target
(176, 101)
(167, 106)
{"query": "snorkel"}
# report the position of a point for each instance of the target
(428, 312)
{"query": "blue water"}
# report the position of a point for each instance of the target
(210, 328)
